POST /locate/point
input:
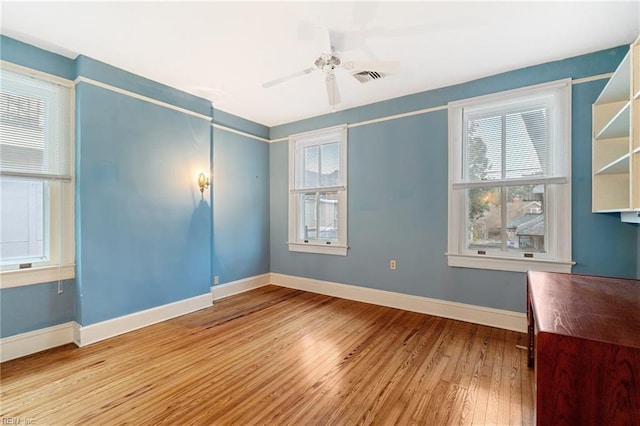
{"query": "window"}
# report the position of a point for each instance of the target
(509, 180)
(36, 177)
(318, 191)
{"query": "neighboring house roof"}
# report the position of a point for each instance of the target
(535, 226)
(517, 221)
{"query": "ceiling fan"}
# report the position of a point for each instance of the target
(329, 61)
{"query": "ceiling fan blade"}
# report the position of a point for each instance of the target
(287, 77)
(332, 89)
(380, 66)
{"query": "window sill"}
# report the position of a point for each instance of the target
(318, 249)
(507, 264)
(47, 274)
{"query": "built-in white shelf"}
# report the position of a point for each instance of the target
(619, 165)
(607, 151)
(617, 89)
(619, 85)
(616, 144)
(618, 126)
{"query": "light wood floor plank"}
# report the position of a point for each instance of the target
(280, 356)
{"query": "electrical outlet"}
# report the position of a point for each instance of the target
(392, 265)
(216, 280)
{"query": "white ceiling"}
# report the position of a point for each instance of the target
(224, 51)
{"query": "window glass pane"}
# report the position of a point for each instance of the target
(319, 216)
(484, 148)
(330, 174)
(526, 143)
(311, 161)
(484, 219)
(328, 216)
(526, 227)
(308, 209)
(22, 219)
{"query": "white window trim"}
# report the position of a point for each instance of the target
(558, 197)
(61, 265)
(317, 247)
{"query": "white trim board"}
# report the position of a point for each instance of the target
(46, 338)
(86, 335)
(498, 318)
(24, 344)
(138, 96)
(441, 107)
(238, 132)
(220, 291)
(38, 340)
(35, 276)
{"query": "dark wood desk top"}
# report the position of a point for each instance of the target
(594, 308)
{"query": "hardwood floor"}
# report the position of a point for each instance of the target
(280, 356)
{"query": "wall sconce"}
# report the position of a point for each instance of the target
(203, 183)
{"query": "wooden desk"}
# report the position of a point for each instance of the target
(584, 339)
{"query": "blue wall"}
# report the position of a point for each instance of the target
(602, 244)
(241, 206)
(143, 231)
(37, 306)
(398, 196)
(144, 236)
(240, 198)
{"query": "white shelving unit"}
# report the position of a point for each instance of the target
(616, 141)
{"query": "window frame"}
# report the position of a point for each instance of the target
(557, 196)
(337, 247)
(60, 211)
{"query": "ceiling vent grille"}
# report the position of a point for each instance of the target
(367, 76)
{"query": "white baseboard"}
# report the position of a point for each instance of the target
(240, 286)
(24, 344)
(85, 335)
(35, 341)
(498, 318)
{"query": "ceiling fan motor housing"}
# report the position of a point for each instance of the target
(327, 62)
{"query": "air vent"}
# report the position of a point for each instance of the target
(367, 76)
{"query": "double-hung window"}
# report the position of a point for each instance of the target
(36, 177)
(318, 191)
(509, 180)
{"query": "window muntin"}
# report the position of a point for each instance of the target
(318, 191)
(36, 177)
(509, 159)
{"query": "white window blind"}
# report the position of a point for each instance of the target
(510, 144)
(35, 129)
